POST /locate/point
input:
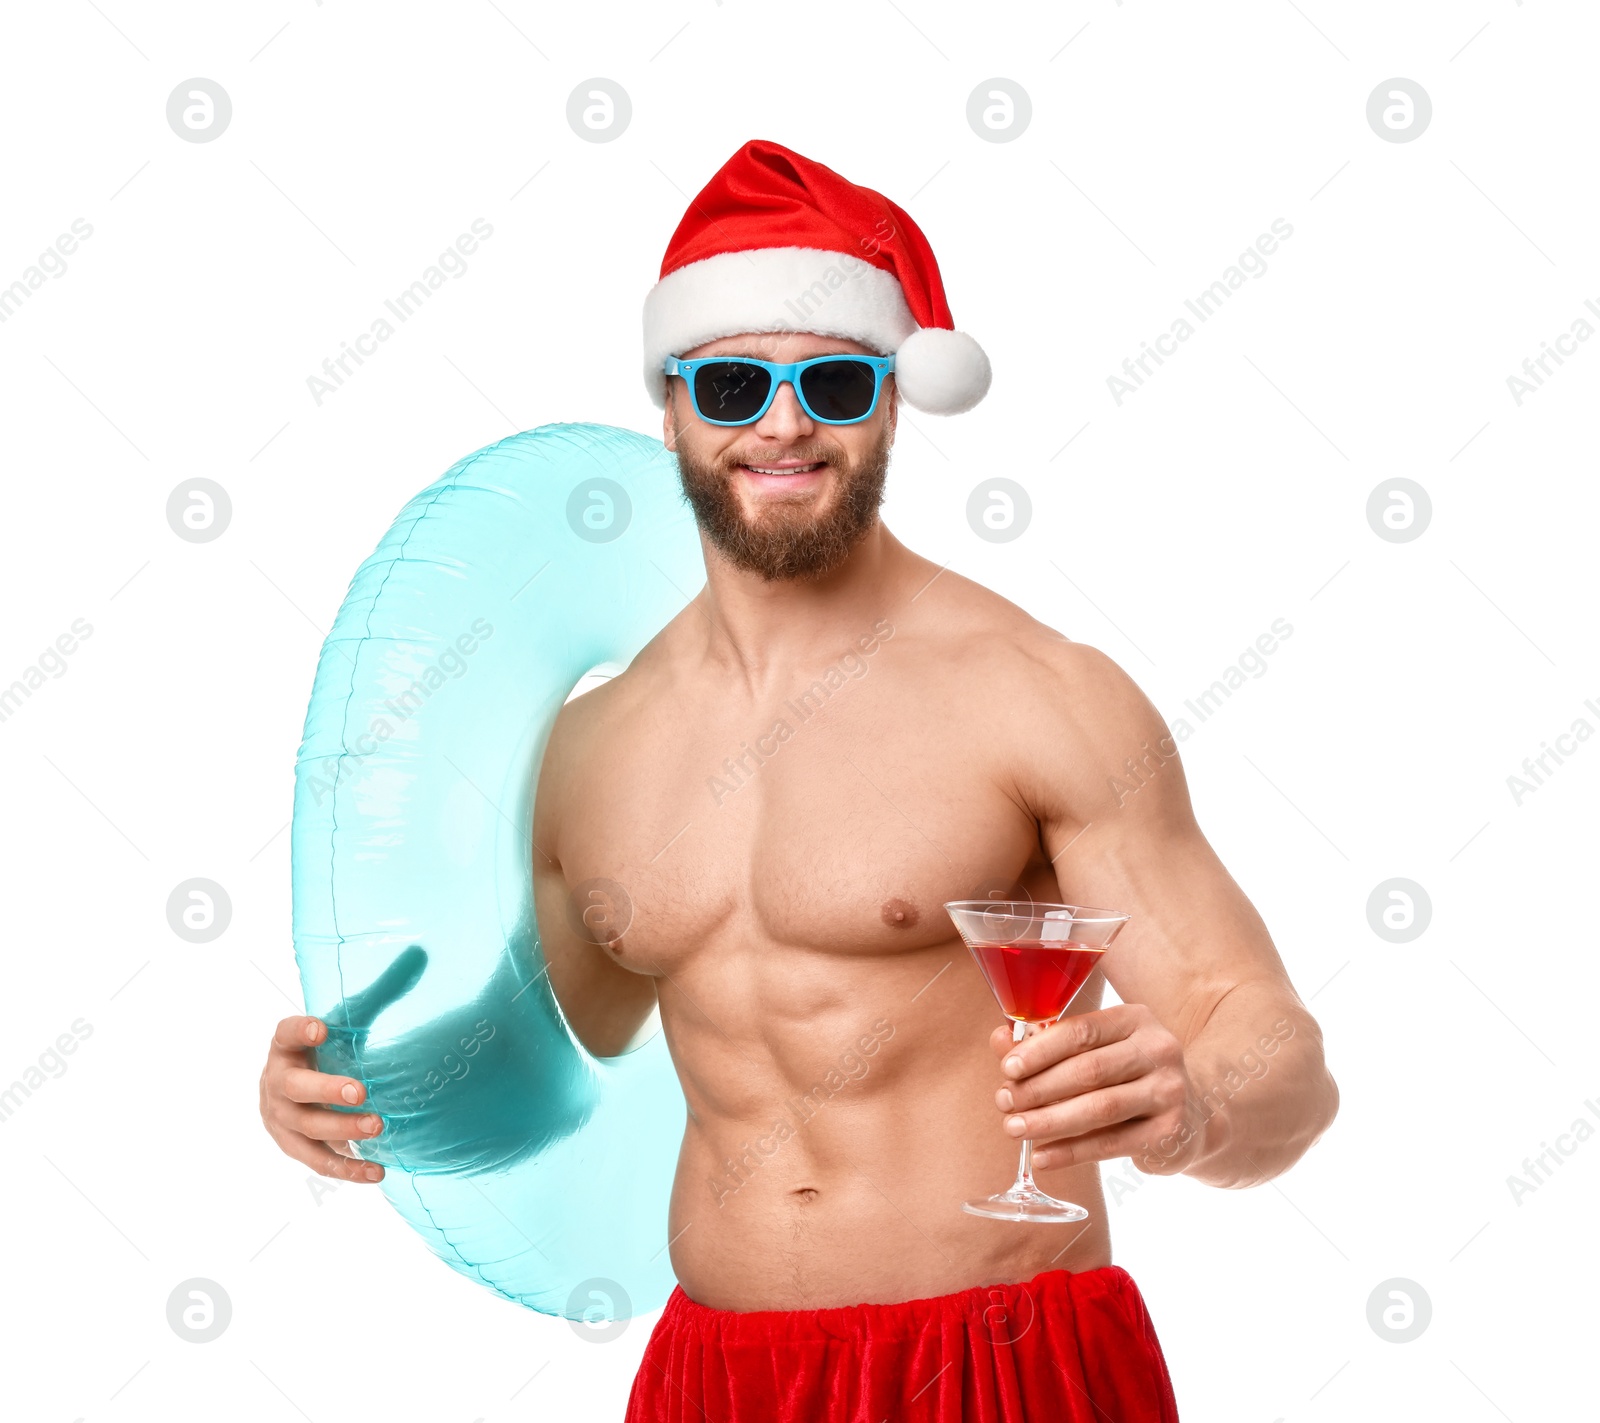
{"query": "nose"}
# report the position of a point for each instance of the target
(786, 419)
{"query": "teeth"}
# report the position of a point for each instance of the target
(793, 469)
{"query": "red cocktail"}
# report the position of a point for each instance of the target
(1035, 979)
(1035, 957)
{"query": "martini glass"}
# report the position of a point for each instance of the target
(1035, 957)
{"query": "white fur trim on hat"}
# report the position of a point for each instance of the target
(771, 289)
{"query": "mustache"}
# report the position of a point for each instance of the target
(768, 457)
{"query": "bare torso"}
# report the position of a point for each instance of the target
(754, 829)
(830, 1031)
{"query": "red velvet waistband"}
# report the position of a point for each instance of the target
(1079, 1348)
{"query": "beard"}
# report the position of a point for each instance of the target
(790, 542)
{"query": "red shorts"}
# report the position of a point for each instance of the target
(1070, 1348)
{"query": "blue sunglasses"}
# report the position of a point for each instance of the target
(834, 390)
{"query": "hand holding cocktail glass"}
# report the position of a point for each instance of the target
(1035, 958)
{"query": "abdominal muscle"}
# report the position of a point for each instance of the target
(826, 1156)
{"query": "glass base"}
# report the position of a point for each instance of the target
(1026, 1205)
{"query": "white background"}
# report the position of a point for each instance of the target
(1229, 491)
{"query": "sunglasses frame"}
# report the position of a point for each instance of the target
(782, 373)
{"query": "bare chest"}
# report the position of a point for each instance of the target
(838, 824)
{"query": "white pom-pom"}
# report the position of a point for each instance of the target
(941, 372)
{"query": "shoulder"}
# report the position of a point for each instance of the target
(1096, 741)
(1068, 718)
(994, 639)
(594, 730)
(650, 680)
(1078, 683)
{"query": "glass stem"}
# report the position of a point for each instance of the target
(1024, 1181)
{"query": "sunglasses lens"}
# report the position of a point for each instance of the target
(730, 391)
(839, 390)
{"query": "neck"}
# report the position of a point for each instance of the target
(759, 626)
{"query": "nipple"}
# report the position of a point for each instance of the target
(899, 913)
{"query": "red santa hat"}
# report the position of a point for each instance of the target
(776, 242)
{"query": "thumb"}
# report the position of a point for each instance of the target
(359, 1009)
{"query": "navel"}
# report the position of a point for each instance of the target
(899, 913)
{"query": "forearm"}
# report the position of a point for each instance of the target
(1261, 1092)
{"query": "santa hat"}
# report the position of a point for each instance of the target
(776, 242)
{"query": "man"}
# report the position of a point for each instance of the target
(835, 738)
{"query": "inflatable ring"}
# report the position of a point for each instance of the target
(525, 1163)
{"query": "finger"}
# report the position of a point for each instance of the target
(328, 1163)
(323, 1125)
(1109, 1143)
(301, 1084)
(1081, 1032)
(1003, 1038)
(1081, 1115)
(359, 1009)
(1109, 1066)
(298, 1033)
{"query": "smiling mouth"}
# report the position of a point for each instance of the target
(789, 467)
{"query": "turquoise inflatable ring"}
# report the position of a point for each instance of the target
(525, 1163)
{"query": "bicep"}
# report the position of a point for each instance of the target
(1118, 824)
(604, 1003)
